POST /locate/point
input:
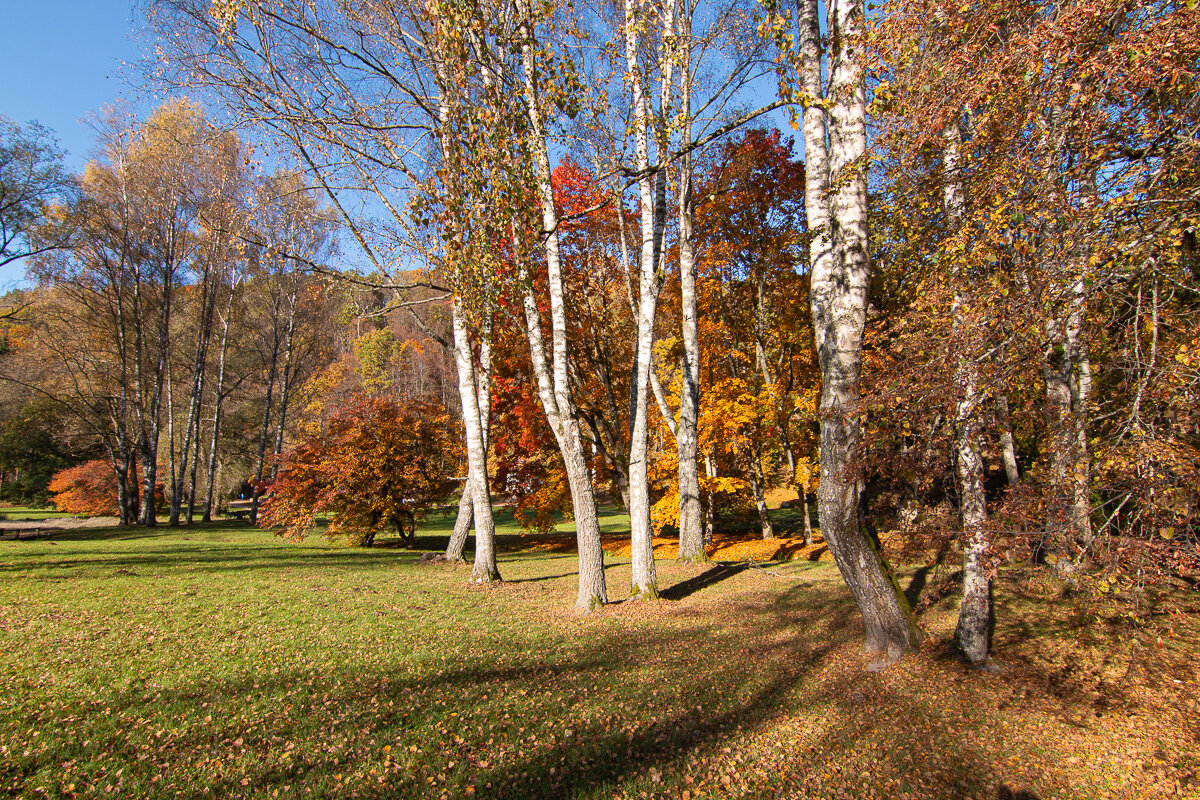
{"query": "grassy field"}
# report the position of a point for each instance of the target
(218, 661)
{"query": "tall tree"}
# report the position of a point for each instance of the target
(835, 146)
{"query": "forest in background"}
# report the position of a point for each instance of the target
(967, 316)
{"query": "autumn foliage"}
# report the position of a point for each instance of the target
(89, 488)
(376, 466)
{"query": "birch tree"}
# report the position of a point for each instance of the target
(388, 83)
(836, 204)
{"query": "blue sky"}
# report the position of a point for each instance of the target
(61, 60)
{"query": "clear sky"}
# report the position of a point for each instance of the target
(61, 60)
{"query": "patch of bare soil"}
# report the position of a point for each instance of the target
(29, 528)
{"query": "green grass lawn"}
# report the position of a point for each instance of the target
(219, 661)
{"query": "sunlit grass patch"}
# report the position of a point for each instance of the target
(219, 661)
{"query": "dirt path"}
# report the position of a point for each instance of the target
(30, 528)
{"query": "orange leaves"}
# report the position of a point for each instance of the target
(90, 488)
(379, 464)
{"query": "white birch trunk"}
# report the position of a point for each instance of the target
(484, 569)
(839, 303)
(973, 632)
(644, 579)
(483, 380)
(691, 531)
(218, 401)
(554, 387)
(710, 508)
(1008, 449)
(1081, 394)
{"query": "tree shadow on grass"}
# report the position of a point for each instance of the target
(548, 710)
(530, 723)
(713, 575)
(199, 558)
(542, 578)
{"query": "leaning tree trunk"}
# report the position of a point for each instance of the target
(839, 288)
(554, 388)
(483, 380)
(485, 569)
(462, 525)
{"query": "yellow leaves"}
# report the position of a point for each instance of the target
(724, 484)
(807, 474)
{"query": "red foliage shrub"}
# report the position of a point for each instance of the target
(378, 465)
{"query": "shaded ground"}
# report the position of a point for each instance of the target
(217, 661)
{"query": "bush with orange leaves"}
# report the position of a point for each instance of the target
(88, 488)
(378, 465)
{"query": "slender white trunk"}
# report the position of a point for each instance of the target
(485, 569)
(554, 387)
(218, 401)
(710, 507)
(816, 148)
(973, 633)
(1057, 371)
(1081, 394)
(483, 381)
(839, 302)
(191, 430)
(644, 583)
(691, 531)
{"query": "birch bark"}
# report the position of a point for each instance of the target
(839, 302)
(554, 388)
(1008, 450)
(484, 569)
(218, 401)
(644, 583)
(691, 531)
(973, 632)
(483, 381)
